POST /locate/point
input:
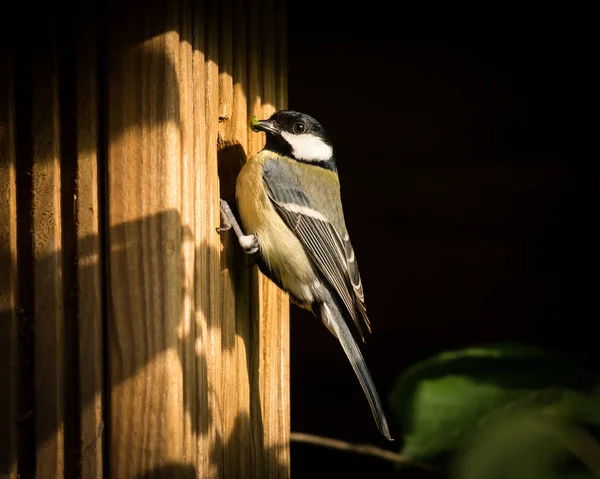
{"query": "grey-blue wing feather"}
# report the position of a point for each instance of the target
(329, 251)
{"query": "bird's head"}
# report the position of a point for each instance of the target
(296, 135)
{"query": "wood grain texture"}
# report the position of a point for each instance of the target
(145, 245)
(46, 228)
(156, 348)
(225, 22)
(281, 101)
(255, 143)
(187, 329)
(274, 303)
(255, 92)
(8, 277)
(281, 334)
(271, 305)
(230, 399)
(212, 327)
(90, 307)
(237, 453)
(239, 131)
(206, 269)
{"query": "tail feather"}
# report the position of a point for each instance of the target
(331, 316)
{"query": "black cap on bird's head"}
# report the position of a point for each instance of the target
(296, 135)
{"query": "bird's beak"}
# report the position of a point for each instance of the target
(263, 125)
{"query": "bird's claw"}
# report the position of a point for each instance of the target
(249, 243)
(226, 227)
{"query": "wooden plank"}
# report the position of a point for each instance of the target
(280, 427)
(206, 271)
(46, 230)
(255, 140)
(268, 37)
(270, 312)
(240, 118)
(8, 278)
(234, 263)
(145, 300)
(255, 143)
(190, 382)
(281, 100)
(225, 162)
(211, 305)
(239, 124)
(225, 59)
(187, 329)
(274, 334)
(90, 306)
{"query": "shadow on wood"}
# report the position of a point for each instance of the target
(148, 345)
(143, 337)
(170, 470)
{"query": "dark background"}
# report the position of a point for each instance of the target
(457, 136)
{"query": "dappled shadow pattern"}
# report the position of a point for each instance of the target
(169, 471)
(244, 454)
(128, 363)
(72, 98)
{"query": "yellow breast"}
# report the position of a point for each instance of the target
(279, 247)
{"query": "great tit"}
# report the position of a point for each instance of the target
(288, 198)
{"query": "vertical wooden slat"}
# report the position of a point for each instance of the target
(206, 275)
(26, 426)
(240, 118)
(274, 304)
(255, 140)
(281, 55)
(187, 330)
(255, 143)
(235, 272)
(8, 276)
(46, 229)
(239, 128)
(280, 334)
(89, 263)
(212, 316)
(145, 242)
(226, 145)
(270, 319)
(225, 60)
(268, 38)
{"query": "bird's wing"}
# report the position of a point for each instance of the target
(355, 280)
(331, 251)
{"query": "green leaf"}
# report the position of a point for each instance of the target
(577, 407)
(527, 443)
(442, 401)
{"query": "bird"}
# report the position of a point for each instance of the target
(289, 201)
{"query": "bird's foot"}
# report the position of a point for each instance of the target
(249, 243)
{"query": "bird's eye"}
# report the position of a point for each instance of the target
(299, 127)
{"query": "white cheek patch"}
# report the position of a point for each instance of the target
(308, 147)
